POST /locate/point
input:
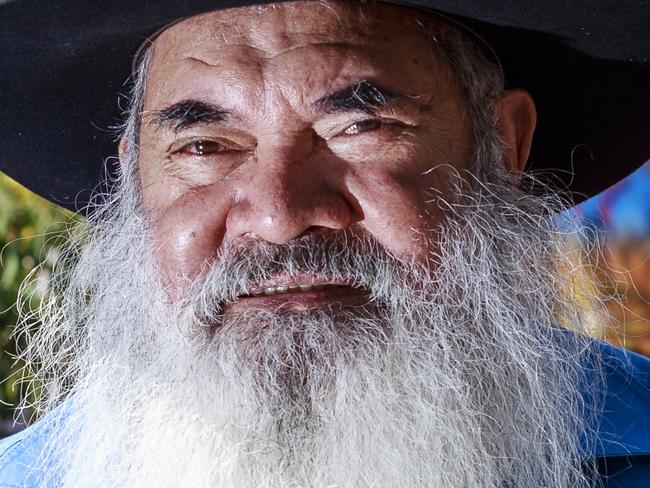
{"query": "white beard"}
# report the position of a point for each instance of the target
(453, 376)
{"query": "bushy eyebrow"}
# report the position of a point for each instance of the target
(363, 96)
(187, 113)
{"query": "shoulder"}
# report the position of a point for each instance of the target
(623, 423)
(622, 428)
(20, 455)
(629, 364)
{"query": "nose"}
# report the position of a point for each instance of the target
(289, 191)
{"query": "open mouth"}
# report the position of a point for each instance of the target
(300, 294)
(301, 288)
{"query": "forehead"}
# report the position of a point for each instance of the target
(278, 27)
(331, 38)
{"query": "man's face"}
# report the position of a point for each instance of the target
(304, 118)
(317, 144)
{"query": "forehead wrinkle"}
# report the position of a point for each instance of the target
(259, 53)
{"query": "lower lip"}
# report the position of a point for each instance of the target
(302, 300)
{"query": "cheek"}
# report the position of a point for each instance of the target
(187, 233)
(394, 212)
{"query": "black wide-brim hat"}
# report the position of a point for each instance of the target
(65, 63)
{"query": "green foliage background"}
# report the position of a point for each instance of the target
(31, 231)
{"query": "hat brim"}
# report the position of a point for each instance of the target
(66, 64)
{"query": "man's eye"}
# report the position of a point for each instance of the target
(362, 126)
(203, 148)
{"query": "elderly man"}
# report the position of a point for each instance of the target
(317, 267)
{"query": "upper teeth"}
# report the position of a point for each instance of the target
(271, 290)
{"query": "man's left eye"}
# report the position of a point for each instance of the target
(203, 148)
(362, 126)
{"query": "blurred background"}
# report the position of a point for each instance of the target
(31, 235)
(622, 217)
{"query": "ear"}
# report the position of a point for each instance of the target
(516, 117)
(124, 145)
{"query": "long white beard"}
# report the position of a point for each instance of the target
(453, 375)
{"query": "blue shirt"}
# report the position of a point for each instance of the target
(622, 449)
